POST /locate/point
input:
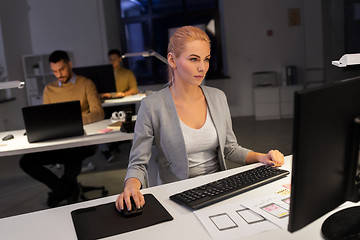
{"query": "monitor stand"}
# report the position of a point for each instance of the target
(344, 224)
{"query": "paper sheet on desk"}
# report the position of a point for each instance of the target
(232, 221)
(274, 207)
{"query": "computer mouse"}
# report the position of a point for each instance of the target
(8, 137)
(134, 210)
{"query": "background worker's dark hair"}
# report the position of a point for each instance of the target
(59, 55)
(115, 51)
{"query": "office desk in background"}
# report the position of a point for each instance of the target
(57, 223)
(20, 145)
(133, 99)
(128, 103)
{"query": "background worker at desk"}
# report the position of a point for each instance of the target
(185, 128)
(125, 80)
(125, 83)
(67, 87)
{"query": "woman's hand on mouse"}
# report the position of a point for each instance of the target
(131, 189)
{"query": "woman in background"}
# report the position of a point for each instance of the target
(186, 127)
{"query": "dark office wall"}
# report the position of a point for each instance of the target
(334, 40)
(258, 38)
(112, 24)
(76, 26)
(17, 41)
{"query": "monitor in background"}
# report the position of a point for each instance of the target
(101, 75)
(325, 154)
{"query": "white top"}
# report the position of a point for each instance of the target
(201, 147)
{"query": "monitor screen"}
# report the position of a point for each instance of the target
(101, 75)
(324, 159)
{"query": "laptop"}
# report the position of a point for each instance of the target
(53, 121)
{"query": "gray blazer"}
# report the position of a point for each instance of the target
(158, 137)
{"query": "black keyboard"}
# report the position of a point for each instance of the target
(227, 187)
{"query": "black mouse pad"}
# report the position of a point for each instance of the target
(104, 220)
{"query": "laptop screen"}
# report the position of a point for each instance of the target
(53, 121)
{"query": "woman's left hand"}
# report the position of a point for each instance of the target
(273, 158)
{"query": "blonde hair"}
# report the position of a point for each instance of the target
(177, 43)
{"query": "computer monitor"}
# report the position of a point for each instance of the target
(101, 75)
(325, 152)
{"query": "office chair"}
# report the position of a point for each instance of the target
(84, 189)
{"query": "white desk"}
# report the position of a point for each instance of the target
(123, 101)
(57, 223)
(20, 145)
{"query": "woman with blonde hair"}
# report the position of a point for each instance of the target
(185, 128)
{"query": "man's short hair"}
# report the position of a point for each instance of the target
(59, 55)
(115, 51)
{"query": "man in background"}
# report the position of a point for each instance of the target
(67, 87)
(125, 80)
(125, 83)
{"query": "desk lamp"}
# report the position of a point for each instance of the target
(148, 53)
(11, 84)
(347, 59)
